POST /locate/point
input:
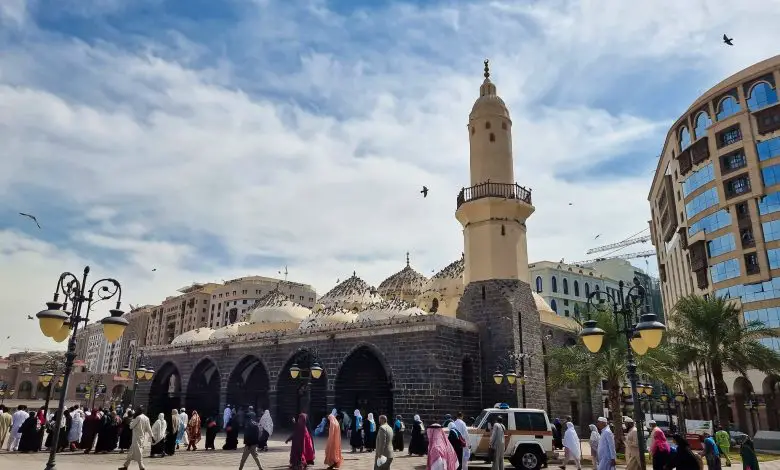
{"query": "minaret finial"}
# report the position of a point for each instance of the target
(354, 274)
(407, 259)
(487, 69)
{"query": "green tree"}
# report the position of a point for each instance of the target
(576, 366)
(713, 331)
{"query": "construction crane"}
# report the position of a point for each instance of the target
(622, 244)
(640, 254)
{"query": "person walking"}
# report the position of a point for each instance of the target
(333, 456)
(5, 424)
(193, 431)
(571, 446)
(723, 439)
(607, 452)
(384, 445)
(497, 444)
(748, 453)
(17, 420)
(632, 446)
(594, 445)
(141, 429)
(251, 441)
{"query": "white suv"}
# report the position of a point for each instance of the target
(528, 440)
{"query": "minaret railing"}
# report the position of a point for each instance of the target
(502, 190)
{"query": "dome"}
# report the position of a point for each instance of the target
(193, 336)
(388, 309)
(275, 307)
(328, 316)
(488, 103)
(227, 331)
(352, 294)
(442, 293)
(406, 284)
(541, 304)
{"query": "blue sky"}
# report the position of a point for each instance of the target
(218, 138)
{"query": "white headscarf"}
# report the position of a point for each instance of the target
(370, 417)
(334, 412)
(357, 414)
(267, 423)
(571, 441)
(417, 419)
(159, 428)
(594, 437)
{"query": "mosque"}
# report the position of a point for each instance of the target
(410, 346)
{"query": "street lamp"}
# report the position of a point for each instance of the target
(647, 333)
(57, 323)
(141, 372)
(507, 367)
(52, 369)
(681, 399)
(309, 369)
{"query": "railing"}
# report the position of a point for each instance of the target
(504, 190)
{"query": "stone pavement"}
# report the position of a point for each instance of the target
(276, 458)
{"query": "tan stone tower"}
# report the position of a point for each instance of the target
(494, 209)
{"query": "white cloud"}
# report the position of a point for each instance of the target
(321, 165)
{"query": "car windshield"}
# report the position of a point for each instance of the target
(480, 418)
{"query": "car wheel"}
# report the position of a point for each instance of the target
(526, 458)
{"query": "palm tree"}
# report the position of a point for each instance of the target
(575, 365)
(713, 331)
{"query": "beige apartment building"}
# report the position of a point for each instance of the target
(715, 206)
(180, 313)
(231, 301)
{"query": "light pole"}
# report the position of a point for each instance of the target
(137, 368)
(53, 372)
(94, 387)
(57, 323)
(641, 335)
(681, 399)
(311, 370)
(507, 367)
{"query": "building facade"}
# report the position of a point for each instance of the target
(622, 270)
(565, 287)
(715, 214)
(180, 313)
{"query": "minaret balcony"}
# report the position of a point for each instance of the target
(502, 190)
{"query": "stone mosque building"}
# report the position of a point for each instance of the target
(410, 346)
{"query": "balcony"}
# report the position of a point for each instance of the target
(732, 162)
(702, 279)
(684, 160)
(767, 119)
(502, 190)
(751, 264)
(730, 136)
(700, 151)
(737, 186)
(747, 238)
(698, 255)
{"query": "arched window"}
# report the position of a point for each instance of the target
(761, 95)
(727, 107)
(487, 125)
(554, 283)
(597, 288)
(703, 121)
(685, 138)
(434, 306)
(539, 284)
(565, 286)
(576, 289)
(587, 289)
(554, 305)
(492, 137)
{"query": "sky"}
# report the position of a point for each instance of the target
(212, 139)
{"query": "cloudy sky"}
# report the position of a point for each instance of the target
(211, 139)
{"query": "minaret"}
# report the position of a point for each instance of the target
(494, 209)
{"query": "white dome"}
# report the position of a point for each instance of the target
(388, 309)
(276, 307)
(328, 316)
(406, 282)
(193, 336)
(448, 281)
(227, 331)
(354, 293)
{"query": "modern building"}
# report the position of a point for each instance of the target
(565, 287)
(180, 313)
(622, 270)
(715, 215)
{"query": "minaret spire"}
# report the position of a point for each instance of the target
(487, 69)
(407, 259)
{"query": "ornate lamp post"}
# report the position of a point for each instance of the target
(57, 323)
(140, 372)
(507, 367)
(641, 335)
(311, 370)
(53, 372)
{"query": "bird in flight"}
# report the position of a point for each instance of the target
(424, 191)
(154, 269)
(728, 41)
(32, 217)
(596, 236)
(29, 317)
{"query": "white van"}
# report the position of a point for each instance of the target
(528, 438)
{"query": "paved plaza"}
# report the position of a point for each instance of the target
(276, 458)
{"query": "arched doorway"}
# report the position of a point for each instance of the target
(25, 391)
(743, 390)
(165, 391)
(303, 394)
(248, 385)
(771, 389)
(363, 383)
(203, 389)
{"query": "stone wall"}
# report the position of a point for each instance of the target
(422, 357)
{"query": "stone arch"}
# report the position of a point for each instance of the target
(364, 382)
(165, 391)
(742, 390)
(203, 389)
(304, 394)
(25, 391)
(771, 389)
(248, 384)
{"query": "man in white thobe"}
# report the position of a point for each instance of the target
(461, 427)
(141, 430)
(16, 422)
(607, 453)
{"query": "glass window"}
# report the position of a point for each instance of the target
(721, 245)
(576, 289)
(768, 149)
(727, 107)
(554, 284)
(685, 138)
(730, 136)
(703, 121)
(525, 421)
(565, 286)
(774, 258)
(698, 179)
(554, 305)
(538, 283)
(766, 290)
(761, 95)
(587, 289)
(724, 270)
(701, 202)
(769, 203)
(771, 175)
(770, 317)
(771, 230)
(771, 343)
(735, 161)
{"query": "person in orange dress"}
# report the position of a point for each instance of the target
(333, 457)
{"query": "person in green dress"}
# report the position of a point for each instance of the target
(748, 454)
(723, 439)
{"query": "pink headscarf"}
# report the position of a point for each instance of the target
(659, 441)
(440, 448)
